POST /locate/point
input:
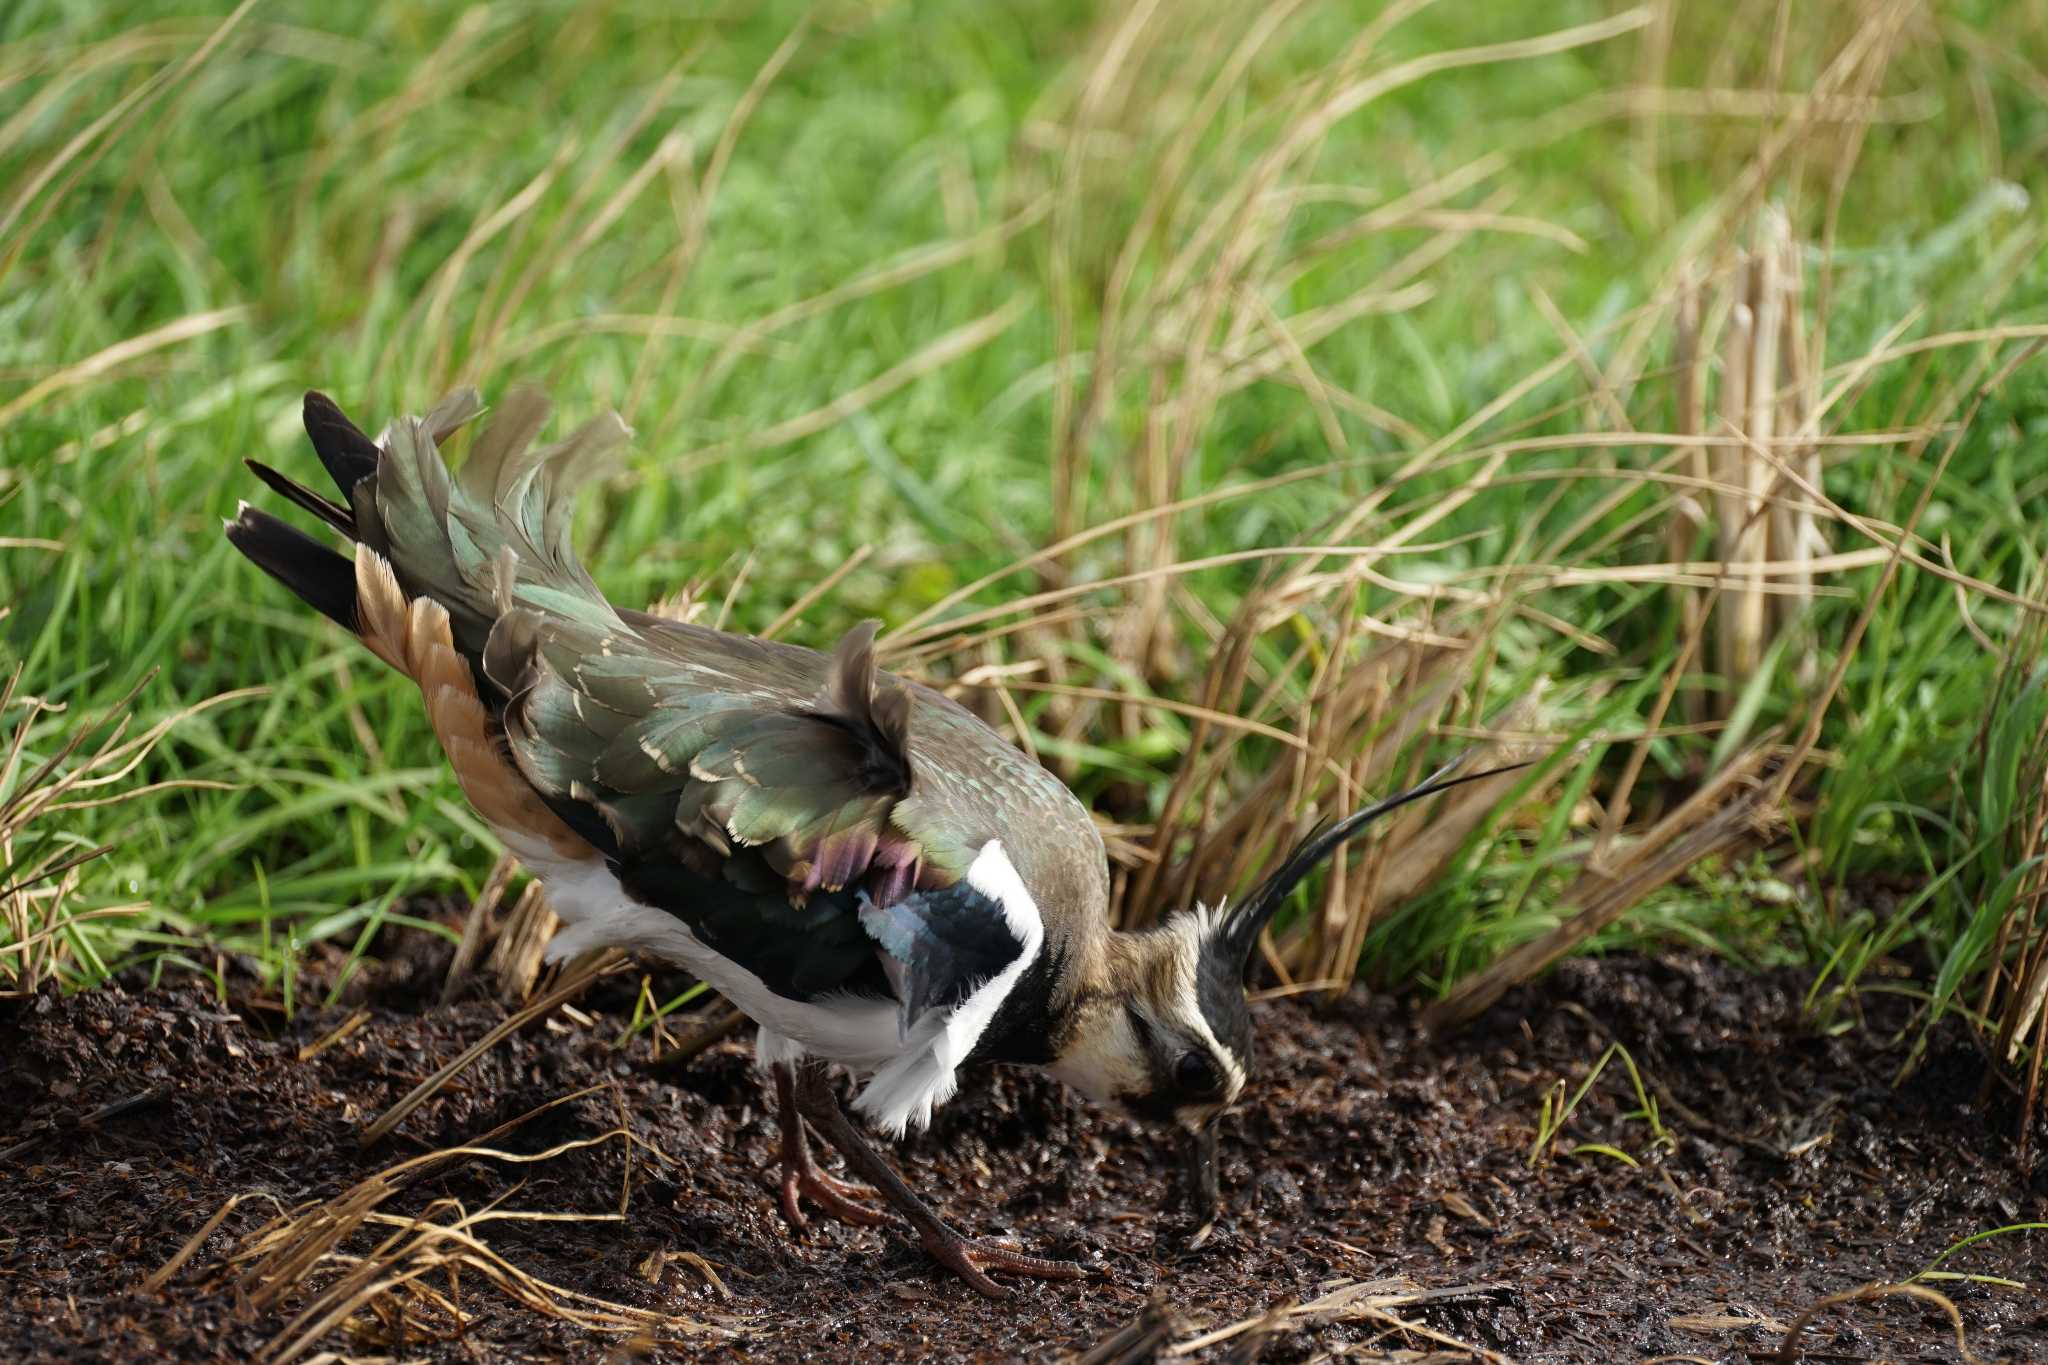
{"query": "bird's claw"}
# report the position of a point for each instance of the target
(971, 1257)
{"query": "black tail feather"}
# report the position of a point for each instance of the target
(349, 455)
(335, 515)
(325, 579)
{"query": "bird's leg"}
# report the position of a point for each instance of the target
(965, 1256)
(801, 1177)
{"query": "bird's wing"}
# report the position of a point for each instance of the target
(719, 755)
(765, 794)
(769, 770)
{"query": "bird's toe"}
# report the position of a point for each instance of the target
(838, 1199)
(971, 1259)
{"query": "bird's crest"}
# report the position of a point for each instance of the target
(1234, 931)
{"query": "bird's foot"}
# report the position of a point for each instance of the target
(971, 1257)
(839, 1199)
(801, 1178)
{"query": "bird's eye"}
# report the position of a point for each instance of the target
(1195, 1074)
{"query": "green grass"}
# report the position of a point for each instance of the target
(444, 193)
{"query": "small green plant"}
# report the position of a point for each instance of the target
(649, 1015)
(1932, 1270)
(1557, 1110)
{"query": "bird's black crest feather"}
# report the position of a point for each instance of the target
(1241, 928)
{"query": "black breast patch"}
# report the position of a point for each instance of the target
(945, 943)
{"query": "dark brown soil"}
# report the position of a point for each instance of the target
(1364, 1152)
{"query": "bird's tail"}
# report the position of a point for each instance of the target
(438, 561)
(476, 543)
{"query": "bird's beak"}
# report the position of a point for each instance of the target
(1198, 1156)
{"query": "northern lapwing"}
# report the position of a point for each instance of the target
(863, 867)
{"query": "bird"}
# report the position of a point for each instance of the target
(874, 876)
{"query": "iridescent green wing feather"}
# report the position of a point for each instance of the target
(752, 753)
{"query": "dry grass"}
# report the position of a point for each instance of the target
(1159, 1334)
(40, 857)
(1329, 675)
(1373, 1302)
(1867, 1293)
(385, 1279)
(575, 980)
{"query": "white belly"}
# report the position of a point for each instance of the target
(910, 1074)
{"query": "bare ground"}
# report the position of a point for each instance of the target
(1793, 1170)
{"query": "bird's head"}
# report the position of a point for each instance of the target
(1165, 1032)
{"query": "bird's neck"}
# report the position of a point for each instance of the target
(1038, 1016)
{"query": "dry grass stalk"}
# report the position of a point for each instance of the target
(161, 1276)
(512, 946)
(356, 1019)
(1689, 515)
(478, 926)
(1137, 1342)
(518, 951)
(575, 981)
(1788, 1351)
(296, 1256)
(715, 1023)
(1767, 395)
(1371, 1301)
(39, 866)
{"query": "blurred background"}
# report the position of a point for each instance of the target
(1245, 407)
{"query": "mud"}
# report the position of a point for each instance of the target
(1790, 1168)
